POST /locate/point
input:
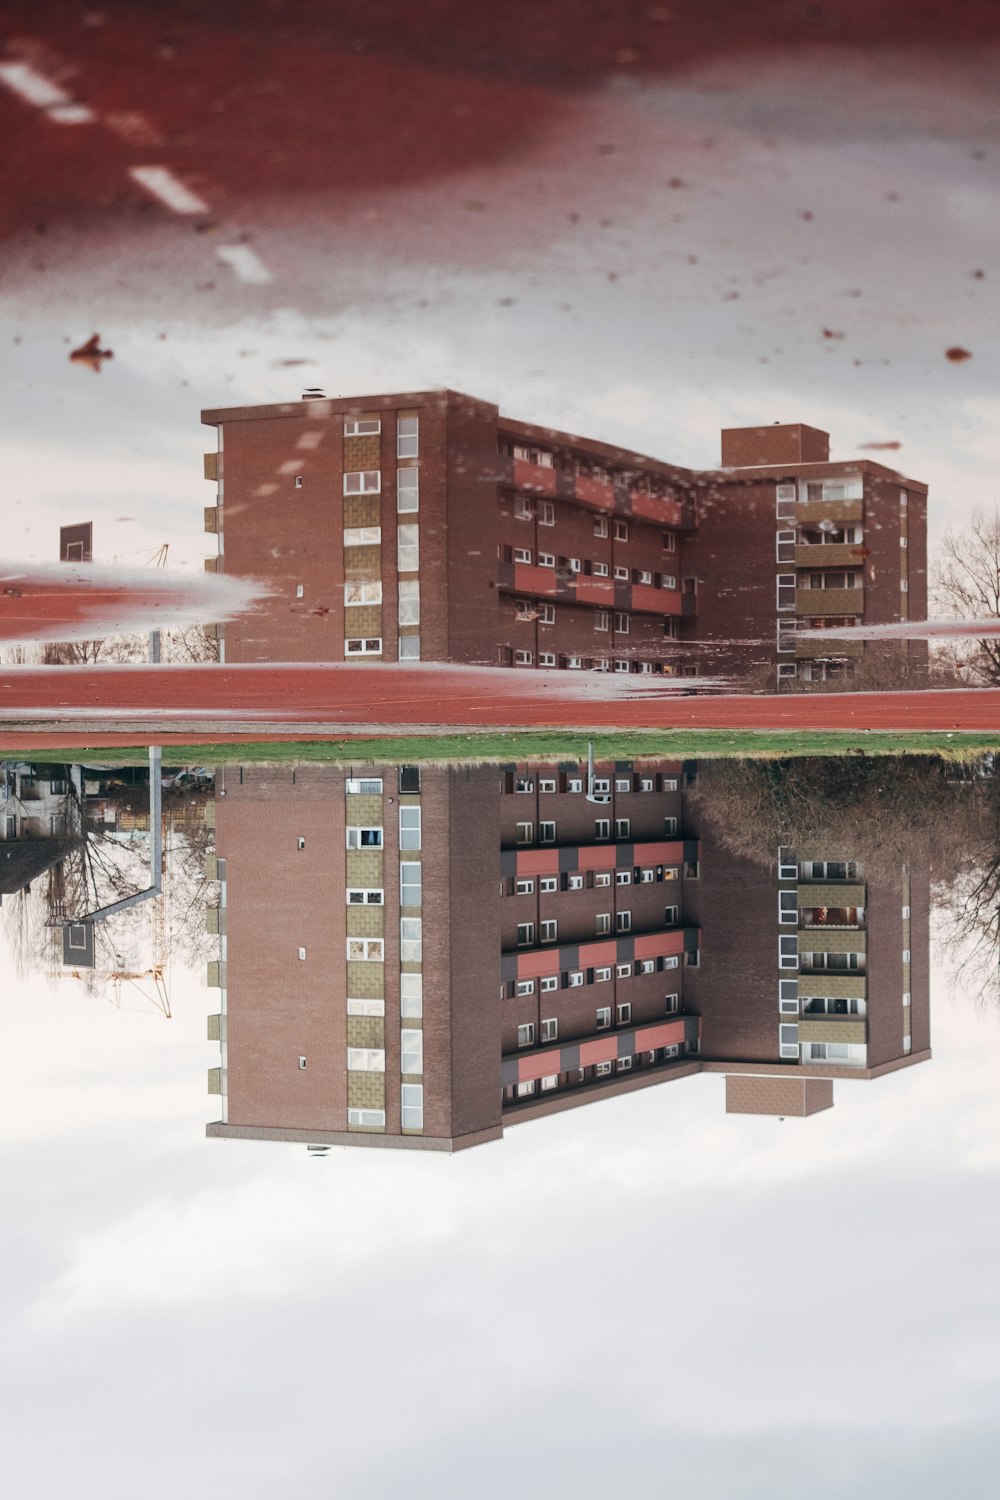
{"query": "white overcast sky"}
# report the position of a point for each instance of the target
(645, 1297)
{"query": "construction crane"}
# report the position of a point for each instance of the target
(151, 983)
(155, 559)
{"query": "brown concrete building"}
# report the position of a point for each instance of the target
(420, 957)
(425, 525)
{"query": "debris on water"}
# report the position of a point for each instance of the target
(956, 354)
(91, 354)
(880, 447)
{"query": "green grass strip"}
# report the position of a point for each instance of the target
(493, 748)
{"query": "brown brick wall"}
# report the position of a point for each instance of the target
(750, 1094)
(781, 443)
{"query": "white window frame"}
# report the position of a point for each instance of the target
(369, 645)
(546, 513)
(363, 482)
(362, 536)
(407, 437)
(370, 895)
(408, 547)
(548, 983)
(362, 426)
(410, 831)
(548, 930)
(365, 950)
(411, 1098)
(355, 836)
(602, 1018)
(524, 886)
(522, 555)
(548, 884)
(407, 492)
(525, 934)
(524, 987)
(360, 591)
(408, 601)
(549, 1030)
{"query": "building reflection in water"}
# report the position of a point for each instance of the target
(421, 957)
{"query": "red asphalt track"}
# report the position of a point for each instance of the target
(66, 706)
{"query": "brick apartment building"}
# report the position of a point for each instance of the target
(428, 526)
(420, 957)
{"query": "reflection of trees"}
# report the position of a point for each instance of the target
(885, 811)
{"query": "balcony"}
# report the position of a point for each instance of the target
(595, 494)
(212, 514)
(828, 602)
(539, 479)
(831, 893)
(211, 465)
(830, 555)
(665, 512)
(829, 510)
(817, 646)
(832, 1029)
(646, 599)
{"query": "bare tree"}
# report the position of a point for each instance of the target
(965, 583)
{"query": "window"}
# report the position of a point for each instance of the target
(602, 878)
(692, 870)
(301, 843)
(409, 827)
(642, 575)
(362, 536)
(526, 1034)
(788, 1040)
(848, 488)
(362, 426)
(786, 635)
(602, 828)
(407, 490)
(546, 784)
(787, 669)
(621, 531)
(603, 1018)
(623, 921)
(550, 1031)
(671, 915)
(546, 513)
(671, 1004)
(670, 826)
(363, 646)
(547, 832)
(788, 996)
(524, 887)
(621, 574)
(600, 525)
(547, 614)
(525, 833)
(526, 1088)
(409, 648)
(624, 1013)
(412, 1106)
(411, 994)
(522, 554)
(410, 939)
(621, 666)
(788, 952)
(906, 997)
(523, 658)
(546, 659)
(548, 984)
(546, 560)
(550, 1081)
(645, 966)
(408, 547)
(786, 591)
(524, 509)
(525, 934)
(603, 974)
(624, 1064)
(906, 913)
(785, 546)
(668, 541)
(671, 872)
(302, 953)
(573, 564)
(788, 868)
(407, 437)
(411, 1051)
(364, 896)
(300, 591)
(363, 591)
(371, 1118)
(623, 877)
(574, 979)
(574, 882)
(298, 481)
(364, 838)
(602, 923)
(623, 828)
(603, 1069)
(549, 930)
(524, 784)
(365, 482)
(366, 1007)
(623, 784)
(365, 950)
(646, 877)
(525, 987)
(548, 883)
(602, 619)
(906, 955)
(409, 601)
(600, 570)
(788, 907)
(904, 587)
(602, 785)
(621, 624)
(669, 784)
